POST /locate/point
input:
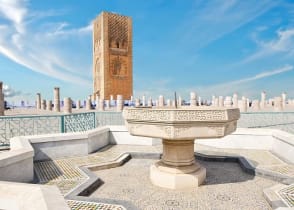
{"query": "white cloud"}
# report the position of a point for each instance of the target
(262, 75)
(283, 43)
(242, 85)
(57, 56)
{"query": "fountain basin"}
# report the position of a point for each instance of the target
(178, 128)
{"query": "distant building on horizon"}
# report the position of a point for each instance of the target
(112, 56)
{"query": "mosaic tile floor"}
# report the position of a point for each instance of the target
(226, 187)
(225, 183)
(287, 195)
(83, 205)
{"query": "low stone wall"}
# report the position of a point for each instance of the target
(55, 146)
(279, 142)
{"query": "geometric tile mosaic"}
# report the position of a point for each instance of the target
(84, 205)
(287, 195)
(57, 170)
(284, 169)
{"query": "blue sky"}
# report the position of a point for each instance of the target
(211, 47)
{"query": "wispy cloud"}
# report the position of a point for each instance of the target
(44, 49)
(243, 85)
(283, 43)
(211, 20)
(262, 75)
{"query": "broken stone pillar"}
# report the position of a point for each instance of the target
(216, 103)
(221, 101)
(199, 101)
(242, 104)
(213, 100)
(228, 101)
(193, 100)
(143, 100)
(38, 101)
(67, 108)
(235, 100)
(161, 101)
(78, 104)
(255, 105)
(149, 102)
(49, 105)
(119, 103)
(56, 99)
(137, 102)
(263, 102)
(88, 103)
(2, 108)
(168, 103)
(278, 106)
(107, 104)
(284, 96)
(43, 104)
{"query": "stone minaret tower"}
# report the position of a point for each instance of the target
(112, 56)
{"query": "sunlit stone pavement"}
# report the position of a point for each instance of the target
(227, 186)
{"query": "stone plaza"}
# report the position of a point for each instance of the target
(111, 150)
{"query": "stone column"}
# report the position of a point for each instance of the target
(228, 101)
(119, 103)
(149, 102)
(43, 104)
(284, 96)
(49, 105)
(247, 102)
(242, 104)
(107, 104)
(161, 101)
(213, 101)
(199, 101)
(137, 102)
(78, 104)
(67, 105)
(216, 103)
(38, 101)
(235, 100)
(168, 103)
(221, 101)
(56, 99)
(278, 106)
(143, 100)
(88, 103)
(263, 102)
(2, 108)
(255, 105)
(193, 100)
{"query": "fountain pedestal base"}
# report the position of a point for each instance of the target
(184, 177)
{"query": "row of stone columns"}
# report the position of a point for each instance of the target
(1, 100)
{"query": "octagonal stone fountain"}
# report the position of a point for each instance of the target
(178, 128)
